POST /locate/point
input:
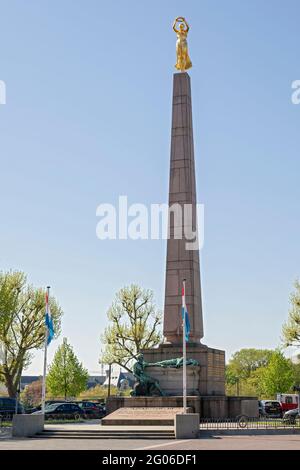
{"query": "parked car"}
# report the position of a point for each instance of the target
(269, 409)
(102, 407)
(62, 411)
(55, 402)
(31, 410)
(8, 407)
(290, 416)
(91, 409)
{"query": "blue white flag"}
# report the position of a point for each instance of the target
(185, 316)
(49, 322)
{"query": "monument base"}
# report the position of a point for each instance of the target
(217, 407)
(206, 380)
(113, 403)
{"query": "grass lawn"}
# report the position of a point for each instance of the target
(64, 421)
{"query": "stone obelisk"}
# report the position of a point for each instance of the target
(182, 262)
(208, 377)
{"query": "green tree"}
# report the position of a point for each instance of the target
(22, 325)
(66, 377)
(32, 394)
(243, 387)
(242, 371)
(254, 383)
(291, 329)
(245, 361)
(278, 376)
(134, 324)
(232, 381)
(11, 285)
(296, 368)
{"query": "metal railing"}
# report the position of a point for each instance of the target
(245, 422)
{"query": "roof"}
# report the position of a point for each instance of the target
(117, 376)
(92, 380)
(28, 379)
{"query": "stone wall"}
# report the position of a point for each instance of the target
(243, 406)
(228, 407)
(214, 407)
(207, 406)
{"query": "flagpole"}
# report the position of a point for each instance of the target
(184, 352)
(45, 358)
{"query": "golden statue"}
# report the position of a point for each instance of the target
(183, 60)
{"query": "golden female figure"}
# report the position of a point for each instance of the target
(183, 60)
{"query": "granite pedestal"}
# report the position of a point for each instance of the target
(170, 379)
(208, 379)
(216, 407)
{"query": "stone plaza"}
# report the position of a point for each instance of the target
(246, 440)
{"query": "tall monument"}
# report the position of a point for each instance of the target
(182, 258)
(182, 262)
(159, 371)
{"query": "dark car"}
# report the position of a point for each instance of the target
(8, 407)
(62, 411)
(92, 409)
(290, 416)
(269, 409)
(103, 408)
(55, 402)
(30, 410)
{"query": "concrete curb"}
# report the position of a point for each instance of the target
(246, 432)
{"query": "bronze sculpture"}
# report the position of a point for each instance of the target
(147, 385)
(173, 363)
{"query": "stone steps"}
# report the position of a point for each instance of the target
(106, 434)
(142, 416)
(139, 422)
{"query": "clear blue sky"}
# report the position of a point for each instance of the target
(88, 119)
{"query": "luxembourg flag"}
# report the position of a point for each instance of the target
(48, 321)
(185, 315)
